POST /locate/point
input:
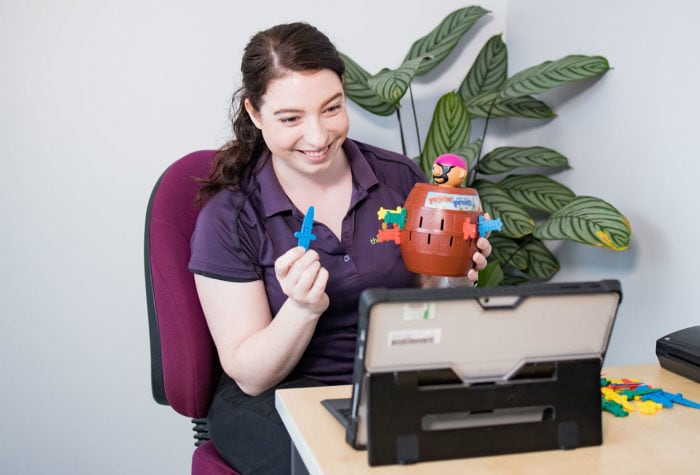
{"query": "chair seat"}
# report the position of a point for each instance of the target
(207, 461)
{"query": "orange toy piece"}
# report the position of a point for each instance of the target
(391, 234)
(470, 230)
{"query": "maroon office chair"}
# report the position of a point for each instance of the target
(185, 369)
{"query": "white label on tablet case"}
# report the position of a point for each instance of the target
(415, 337)
(418, 311)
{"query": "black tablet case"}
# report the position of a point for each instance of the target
(410, 414)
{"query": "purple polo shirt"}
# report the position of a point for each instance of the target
(239, 234)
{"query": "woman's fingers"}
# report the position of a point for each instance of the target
(284, 263)
(302, 278)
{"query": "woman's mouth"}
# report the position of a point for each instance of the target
(316, 156)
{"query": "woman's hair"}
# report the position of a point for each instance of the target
(269, 55)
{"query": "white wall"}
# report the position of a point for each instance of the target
(97, 98)
(632, 139)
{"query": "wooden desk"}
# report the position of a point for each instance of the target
(667, 441)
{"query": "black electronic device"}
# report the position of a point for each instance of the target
(465, 372)
(679, 352)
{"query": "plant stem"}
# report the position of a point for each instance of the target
(481, 146)
(403, 141)
(415, 121)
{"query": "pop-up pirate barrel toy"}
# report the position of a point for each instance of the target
(439, 225)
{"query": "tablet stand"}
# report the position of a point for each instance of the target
(554, 405)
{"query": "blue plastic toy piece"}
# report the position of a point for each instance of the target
(488, 225)
(679, 399)
(305, 236)
(659, 397)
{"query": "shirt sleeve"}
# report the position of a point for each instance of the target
(222, 243)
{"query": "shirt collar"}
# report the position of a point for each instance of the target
(275, 200)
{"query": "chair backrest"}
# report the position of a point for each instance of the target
(184, 367)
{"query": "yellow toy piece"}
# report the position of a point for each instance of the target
(381, 214)
(648, 407)
(611, 395)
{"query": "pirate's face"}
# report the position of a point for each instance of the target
(440, 173)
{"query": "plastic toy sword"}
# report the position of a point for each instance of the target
(305, 236)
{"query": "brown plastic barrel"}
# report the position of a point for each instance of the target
(432, 240)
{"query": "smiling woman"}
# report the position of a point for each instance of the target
(304, 123)
(279, 314)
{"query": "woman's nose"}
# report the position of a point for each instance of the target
(315, 133)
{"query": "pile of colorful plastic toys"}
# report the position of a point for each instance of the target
(618, 395)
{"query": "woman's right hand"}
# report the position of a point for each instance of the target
(303, 279)
(258, 349)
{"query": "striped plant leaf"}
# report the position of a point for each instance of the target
(360, 93)
(588, 220)
(391, 84)
(443, 38)
(505, 159)
(492, 105)
(489, 71)
(528, 255)
(470, 153)
(541, 263)
(508, 251)
(551, 74)
(498, 203)
(537, 191)
(449, 130)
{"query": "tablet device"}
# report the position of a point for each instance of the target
(472, 336)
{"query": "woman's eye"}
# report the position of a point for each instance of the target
(333, 108)
(289, 120)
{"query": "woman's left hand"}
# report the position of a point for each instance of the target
(479, 258)
(484, 250)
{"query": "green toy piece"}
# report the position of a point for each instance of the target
(613, 407)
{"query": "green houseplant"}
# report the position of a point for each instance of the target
(533, 207)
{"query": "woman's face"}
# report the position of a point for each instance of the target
(303, 119)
